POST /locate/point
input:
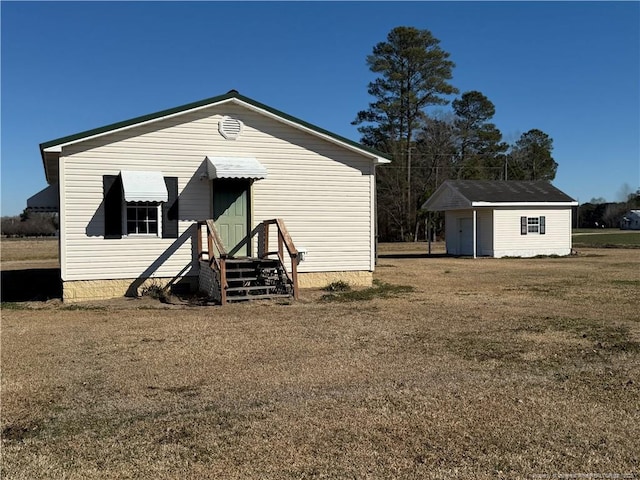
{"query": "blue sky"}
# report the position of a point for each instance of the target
(570, 69)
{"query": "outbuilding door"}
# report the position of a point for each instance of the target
(465, 236)
(231, 214)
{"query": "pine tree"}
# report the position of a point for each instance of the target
(413, 74)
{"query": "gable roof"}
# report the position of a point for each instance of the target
(461, 194)
(55, 146)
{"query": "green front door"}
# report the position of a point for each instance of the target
(231, 214)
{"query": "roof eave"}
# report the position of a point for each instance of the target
(57, 144)
(481, 204)
(45, 163)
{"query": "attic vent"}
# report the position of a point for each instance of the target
(230, 128)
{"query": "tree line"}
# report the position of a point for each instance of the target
(29, 224)
(414, 73)
(597, 213)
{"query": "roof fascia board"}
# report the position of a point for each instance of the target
(524, 204)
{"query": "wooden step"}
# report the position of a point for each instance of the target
(253, 279)
(241, 270)
(240, 298)
(242, 279)
(249, 270)
(246, 278)
(251, 288)
(241, 260)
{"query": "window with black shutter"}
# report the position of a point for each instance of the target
(532, 225)
(112, 189)
(139, 218)
(170, 209)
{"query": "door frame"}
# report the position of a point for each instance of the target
(249, 204)
(461, 233)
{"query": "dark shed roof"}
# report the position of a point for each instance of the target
(508, 191)
(464, 194)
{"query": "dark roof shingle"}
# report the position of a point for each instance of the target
(508, 191)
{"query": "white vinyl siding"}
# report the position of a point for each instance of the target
(321, 190)
(498, 232)
(510, 242)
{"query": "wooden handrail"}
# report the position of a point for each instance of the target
(213, 231)
(218, 262)
(284, 240)
(214, 242)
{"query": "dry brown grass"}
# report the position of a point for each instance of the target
(487, 369)
(21, 253)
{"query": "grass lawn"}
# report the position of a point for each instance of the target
(27, 253)
(485, 369)
(606, 238)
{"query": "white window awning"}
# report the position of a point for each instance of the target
(143, 186)
(235, 167)
(45, 201)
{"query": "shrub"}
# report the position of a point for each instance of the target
(157, 292)
(339, 286)
(378, 290)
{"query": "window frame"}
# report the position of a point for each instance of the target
(533, 225)
(157, 206)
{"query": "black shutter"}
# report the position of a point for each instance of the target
(523, 225)
(112, 188)
(170, 209)
(542, 225)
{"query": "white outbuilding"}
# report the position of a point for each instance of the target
(630, 220)
(504, 218)
(225, 194)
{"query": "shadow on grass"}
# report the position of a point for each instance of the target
(413, 255)
(30, 285)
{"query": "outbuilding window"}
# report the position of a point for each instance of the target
(147, 212)
(532, 225)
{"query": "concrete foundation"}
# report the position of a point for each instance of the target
(322, 279)
(83, 290)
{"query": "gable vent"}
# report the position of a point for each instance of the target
(230, 128)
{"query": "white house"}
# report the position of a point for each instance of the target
(504, 218)
(630, 220)
(135, 197)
